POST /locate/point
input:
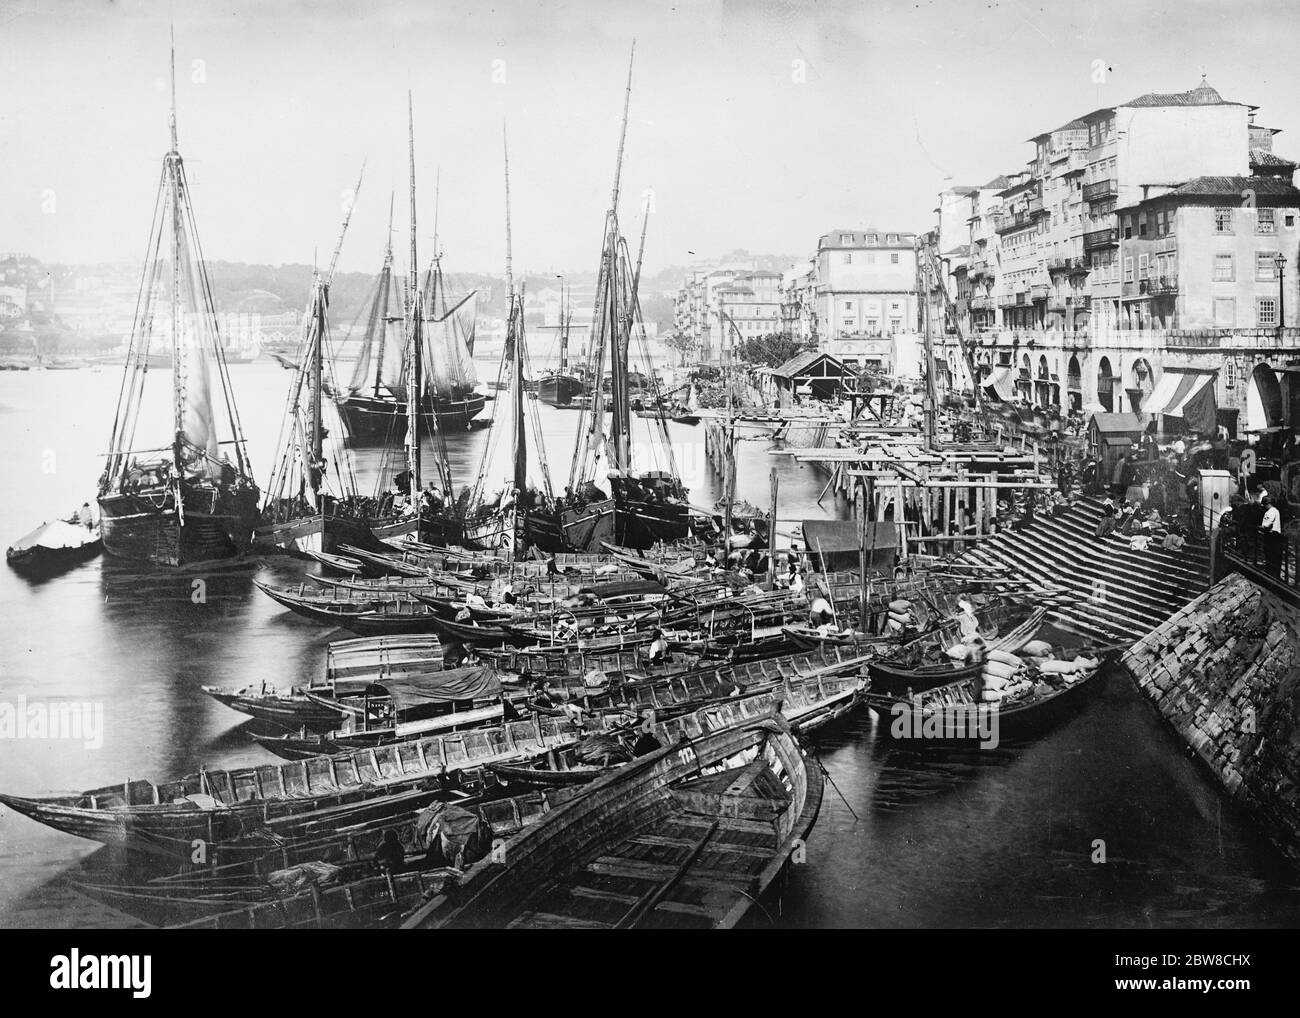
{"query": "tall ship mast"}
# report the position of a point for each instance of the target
(187, 501)
(647, 505)
(373, 403)
(559, 387)
(496, 518)
(311, 501)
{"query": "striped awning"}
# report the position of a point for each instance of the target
(1175, 388)
(999, 386)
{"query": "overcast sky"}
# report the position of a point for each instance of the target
(743, 146)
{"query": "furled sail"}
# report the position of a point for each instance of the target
(198, 342)
(449, 363)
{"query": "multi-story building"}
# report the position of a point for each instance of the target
(866, 283)
(1139, 238)
(721, 307)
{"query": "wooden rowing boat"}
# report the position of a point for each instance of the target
(220, 805)
(900, 675)
(950, 714)
(687, 837)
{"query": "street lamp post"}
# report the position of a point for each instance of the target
(1281, 292)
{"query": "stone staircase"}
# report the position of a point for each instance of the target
(1118, 595)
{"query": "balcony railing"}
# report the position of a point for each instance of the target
(1034, 207)
(1099, 189)
(1067, 265)
(1039, 291)
(1100, 238)
(1159, 285)
(979, 267)
(1013, 221)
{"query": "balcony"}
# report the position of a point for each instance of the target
(1099, 189)
(982, 303)
(1058, 304)
(978, 267)
(1070, 265)
(1012, 221)
(1101, 238)
(1034, 207)
(1039, 292)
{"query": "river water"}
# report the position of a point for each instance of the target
(993, 838)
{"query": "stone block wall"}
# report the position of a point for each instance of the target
(1224, 672)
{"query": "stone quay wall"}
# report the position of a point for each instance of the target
(1224, 673)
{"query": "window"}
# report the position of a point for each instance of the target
(1229, 373)
(1144, 266)
(895, 326)
(893, 258)
(1265, 223)
(873, 326)
(1128, 270)
(1142, 225)
(872, 238)
(1223, 268)
(1225, 312)
(846, 238)
(848, 258)
(1289, 220)
(1128, 227)
(1265, 265)
(848, 305)
(871, 259)
(1266, 311)
(895, 307)
(1223, 220)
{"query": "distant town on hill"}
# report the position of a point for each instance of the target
(50, 308)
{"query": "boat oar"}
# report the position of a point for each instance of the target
(827, 774)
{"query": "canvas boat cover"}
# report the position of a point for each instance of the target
(473, 682)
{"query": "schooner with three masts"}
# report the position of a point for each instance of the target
(187, 501)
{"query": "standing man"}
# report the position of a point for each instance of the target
(1270, 531)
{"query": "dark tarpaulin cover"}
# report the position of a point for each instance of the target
(473, 682)
(454, 835)
(623, 588)
(837, 542)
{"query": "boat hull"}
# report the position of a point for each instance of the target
(374, 418)
(316, 533)
(640, 525)
(133, 527)
(559, 390)
(584, 529)
(39, 561)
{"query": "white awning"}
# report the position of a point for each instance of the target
(1175, 388)
(999, 385)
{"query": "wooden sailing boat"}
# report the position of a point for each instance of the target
(186, 502)
(647, 506)
(559, 388)
(374, 410)
(496, 524)
(304, 511)
(431, 514)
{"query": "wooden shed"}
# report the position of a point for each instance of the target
(812, 373)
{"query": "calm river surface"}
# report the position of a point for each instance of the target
(1001, 838)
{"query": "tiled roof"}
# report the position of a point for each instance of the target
(1218, 187)
(1202, 95)
(1262, 157)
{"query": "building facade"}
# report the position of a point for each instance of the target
(1138, 238)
